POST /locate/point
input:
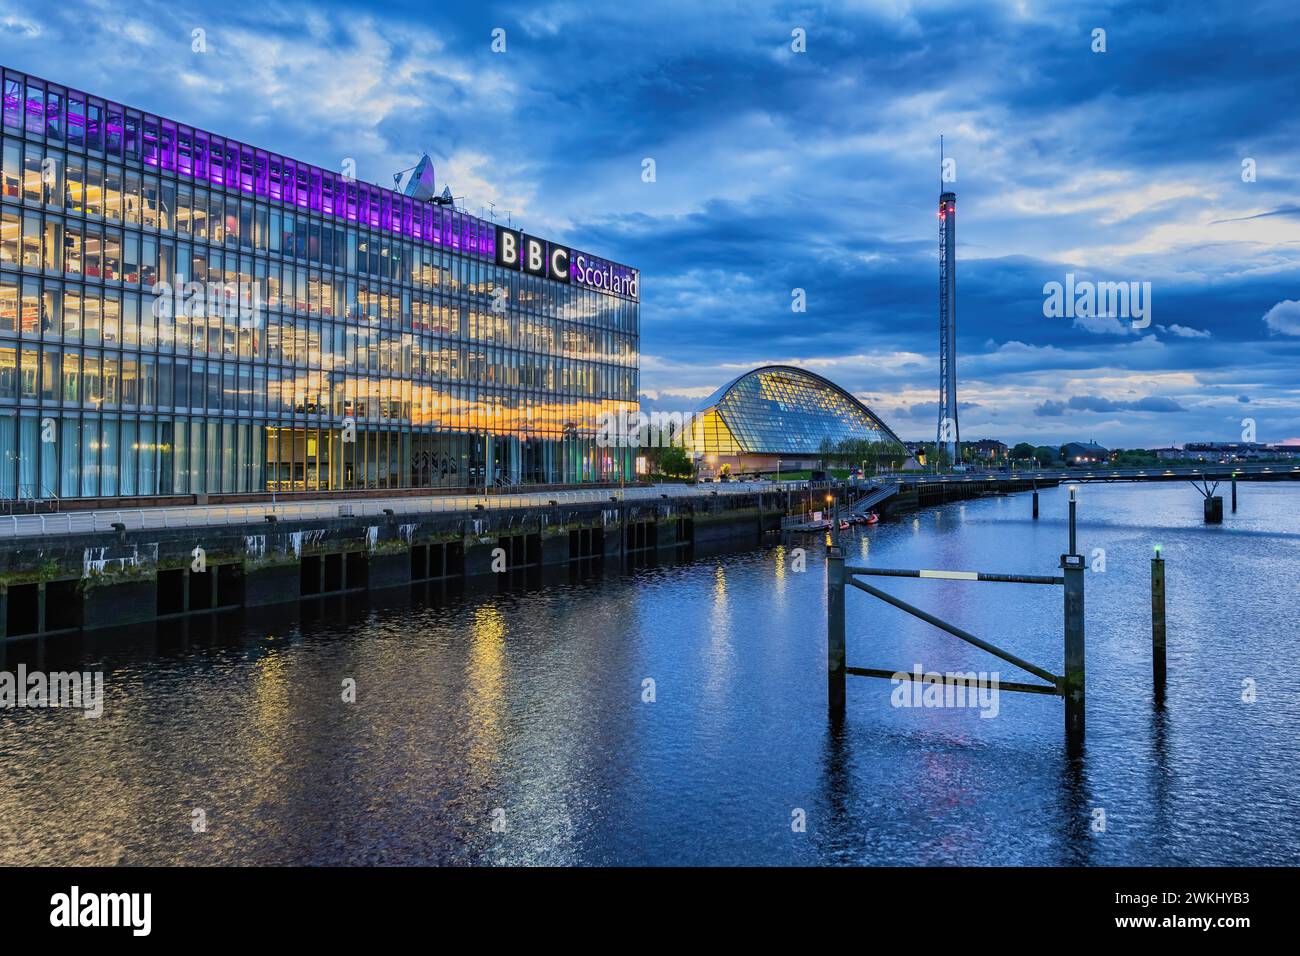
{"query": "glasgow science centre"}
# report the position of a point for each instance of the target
(382, 340)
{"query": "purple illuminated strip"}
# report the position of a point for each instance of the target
(296, 186)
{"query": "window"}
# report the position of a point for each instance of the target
(76, 120)
(32, 240)
(13, 103)
(71, 376)
(33, 174)
(149, 202)
(95, 138)
(72, 250)
(51, 374)
(71, 322)
(54, 116)
(131, 198)
(10, 230)
(113, 192)
(29, 373)
(94, 189)
(8, 304)
(10, 176)
(8, 373)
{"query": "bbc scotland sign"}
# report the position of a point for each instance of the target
(516, 250)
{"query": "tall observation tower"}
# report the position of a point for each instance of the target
(948, 433)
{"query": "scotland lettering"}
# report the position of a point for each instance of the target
(517, 250)
(599, 274)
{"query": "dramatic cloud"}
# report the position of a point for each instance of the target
(1095, 403)
(778, 170)
(1284, 318)
(1184, 332)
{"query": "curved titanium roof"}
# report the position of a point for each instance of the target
(784, 409)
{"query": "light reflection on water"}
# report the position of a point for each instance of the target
(530, 703)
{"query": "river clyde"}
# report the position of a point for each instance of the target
(514, 728)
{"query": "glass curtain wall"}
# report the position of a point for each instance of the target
(367, 353)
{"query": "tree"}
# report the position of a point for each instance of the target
(825, 450)
(1045, 455)
(1024, 450)
(674, 461)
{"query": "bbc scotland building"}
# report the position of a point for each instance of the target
(383, 341)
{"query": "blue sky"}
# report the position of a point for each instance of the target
(777, 170)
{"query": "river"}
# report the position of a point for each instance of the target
(516, 727)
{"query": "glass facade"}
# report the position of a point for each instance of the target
(384, 346)
(781, 410)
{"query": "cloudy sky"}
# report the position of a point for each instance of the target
(818, 170)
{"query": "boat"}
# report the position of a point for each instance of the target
(873, 518)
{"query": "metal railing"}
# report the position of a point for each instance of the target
(191, 516)
(1069, 686)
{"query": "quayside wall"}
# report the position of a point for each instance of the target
(90, 580)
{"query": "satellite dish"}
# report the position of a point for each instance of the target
(446, 198)
(420, 185)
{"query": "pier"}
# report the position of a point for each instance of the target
(84, 570)
(87, 569)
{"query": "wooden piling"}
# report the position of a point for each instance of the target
(1035, 505)
(835, 674)
(1073, 682)
(1214, 509)
(1234, 494)
(1158, 626)
(1073, 514)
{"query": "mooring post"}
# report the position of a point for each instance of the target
(1214, 509)
(1035, 502)
(1158, 625)
(1073, 689)
(835, 674)
(1234, 494)
(1073, 504)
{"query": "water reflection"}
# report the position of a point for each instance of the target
(530, 701)
(485, 692)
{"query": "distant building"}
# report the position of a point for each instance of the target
(781, 417)
(987, 448)
(1216, 451)
(1084, 453)
(1224, 450)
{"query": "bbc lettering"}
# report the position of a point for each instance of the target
(534, 256)
(516, 250)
